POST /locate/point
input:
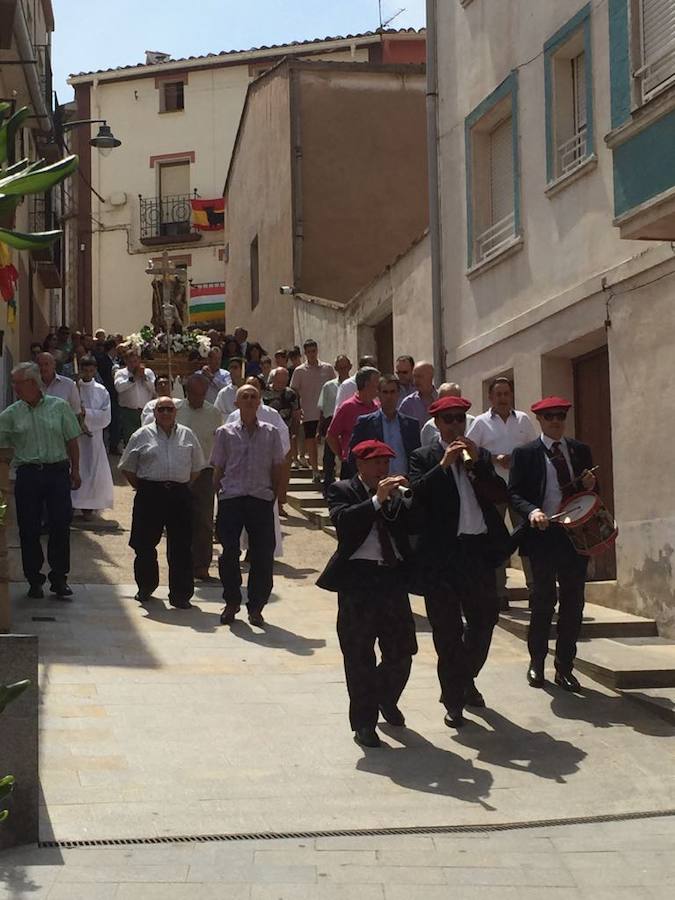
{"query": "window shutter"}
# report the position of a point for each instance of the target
(501, 171)
(658, 42)
(579, 87)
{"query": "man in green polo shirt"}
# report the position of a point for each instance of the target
(43, 433)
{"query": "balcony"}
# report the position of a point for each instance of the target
(572, 153)
(166, 220)
(47, 259)
(495, 238)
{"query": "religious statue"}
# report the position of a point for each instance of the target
(169, 295)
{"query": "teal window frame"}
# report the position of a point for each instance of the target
(580, 22)
(507, 88)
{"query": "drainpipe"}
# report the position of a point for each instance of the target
(26, 50)
(434, 198)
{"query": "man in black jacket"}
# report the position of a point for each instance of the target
(543, 474)
(461, 542)
(369, 573)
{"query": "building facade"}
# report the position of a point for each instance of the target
(26, 28)
(177, 120)
(554, 134)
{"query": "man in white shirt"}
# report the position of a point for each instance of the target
(58, 385)
(347, 387)
(226, 399)
(135, 385)
(500, 430)
(218, 378)
(429, 431)
(307, 381)
(162, 389)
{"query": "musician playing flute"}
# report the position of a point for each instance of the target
(462, 541)
(545, 472)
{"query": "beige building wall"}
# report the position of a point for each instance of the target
(570, 287)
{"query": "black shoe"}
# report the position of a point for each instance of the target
(35, 592)
(473, 697)
(228, 614)
(393, 715)
(367, 737)
(535, 675)
(567, 681)
(142, 597)
(181, 604)
(63, 591)
(256, 618)
(454, 718)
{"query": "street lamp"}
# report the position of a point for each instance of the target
(105, 141)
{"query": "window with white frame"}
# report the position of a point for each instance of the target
(656, 40)
(569, 93)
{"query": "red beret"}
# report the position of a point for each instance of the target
(550, 403)
(459, 404)
(372, 450)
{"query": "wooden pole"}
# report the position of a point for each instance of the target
(6, 488)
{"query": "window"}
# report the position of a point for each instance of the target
(493, 209)
(656, 46)
(175, 210)
(569, 97)
(255, 273)
(171, 96)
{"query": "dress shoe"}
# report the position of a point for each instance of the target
(204, 575)
(180, 604)
(367, 737)
(473, 697)
(567, 681)
(393, 715)
(535, 675)
(228, 614)
(454, 718)
(35, 592)
(142, 597)
(62, 590)
(256, 618)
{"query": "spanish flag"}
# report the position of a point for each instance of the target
(208, 215)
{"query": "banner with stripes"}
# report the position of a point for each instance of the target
(208, 215)
(207, 303)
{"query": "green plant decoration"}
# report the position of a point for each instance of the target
(8, 693)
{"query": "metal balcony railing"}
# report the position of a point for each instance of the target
(168, 216)
(572, 152)
(495, 237)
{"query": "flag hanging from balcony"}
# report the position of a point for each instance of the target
(208, 215)
(207, 303)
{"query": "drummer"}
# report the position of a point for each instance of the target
(543, 473)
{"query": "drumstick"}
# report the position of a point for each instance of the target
(590, 471)
(565, 512)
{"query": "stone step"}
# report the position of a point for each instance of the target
(625, 663)
(599, 621)
(301, 484)
(313, 499)
(318, 517)
(660, 701)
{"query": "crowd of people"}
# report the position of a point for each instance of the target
(417, 488)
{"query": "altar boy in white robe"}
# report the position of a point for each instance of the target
(96, 491)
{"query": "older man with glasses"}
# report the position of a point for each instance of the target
(160, 461)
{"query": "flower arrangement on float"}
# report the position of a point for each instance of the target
(148, 344)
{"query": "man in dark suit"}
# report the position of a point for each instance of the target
(401, 433)
(369, 573)
(544, 473)
(462, 540)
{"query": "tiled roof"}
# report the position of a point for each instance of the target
(271, 47)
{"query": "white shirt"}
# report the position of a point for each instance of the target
(471, 519)
(66, 389)
(133, 391)
(346, 390)
(155, 456)
(225, 400)
(553, 494)
(430, 432)
(371, 548)
(490, 431)
(217, 382)
(272, 417)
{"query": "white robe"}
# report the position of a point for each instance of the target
(96, 491)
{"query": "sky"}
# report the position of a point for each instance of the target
(99, 34)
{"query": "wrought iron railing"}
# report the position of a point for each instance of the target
(495, 237)
(573, 152)
(168, 216)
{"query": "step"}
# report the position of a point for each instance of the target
(318, 517)
(306, 498)
(623, 663)
(599, 621)
(301, 484)
(660, 701)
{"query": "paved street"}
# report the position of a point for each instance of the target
(159, 722)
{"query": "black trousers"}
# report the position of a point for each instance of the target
(552, 558)
(158, 506)
(35, 489)
(468, 588)
(257, 517)
(377, 611)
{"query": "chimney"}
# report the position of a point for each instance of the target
(152, 57)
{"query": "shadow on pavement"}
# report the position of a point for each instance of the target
(281, 568)
(195, 618)
(421, 766)
(277, 638)
(604, 711)
(511, 746)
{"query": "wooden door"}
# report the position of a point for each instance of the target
(593, 423)
(384, 345)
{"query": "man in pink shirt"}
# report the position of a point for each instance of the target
(344, 419)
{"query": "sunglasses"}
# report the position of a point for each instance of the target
(449, 418)
(554, 416)
(166, 409)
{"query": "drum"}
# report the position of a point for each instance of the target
(589, 524)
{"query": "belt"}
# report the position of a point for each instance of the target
(62, 464)
(164, 484)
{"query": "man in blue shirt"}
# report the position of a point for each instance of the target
(398, 431)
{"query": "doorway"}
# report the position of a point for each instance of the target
(384, 345)
(593, 426)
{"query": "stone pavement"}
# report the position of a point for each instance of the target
(159, 722)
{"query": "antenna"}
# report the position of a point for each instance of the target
(385, 23)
